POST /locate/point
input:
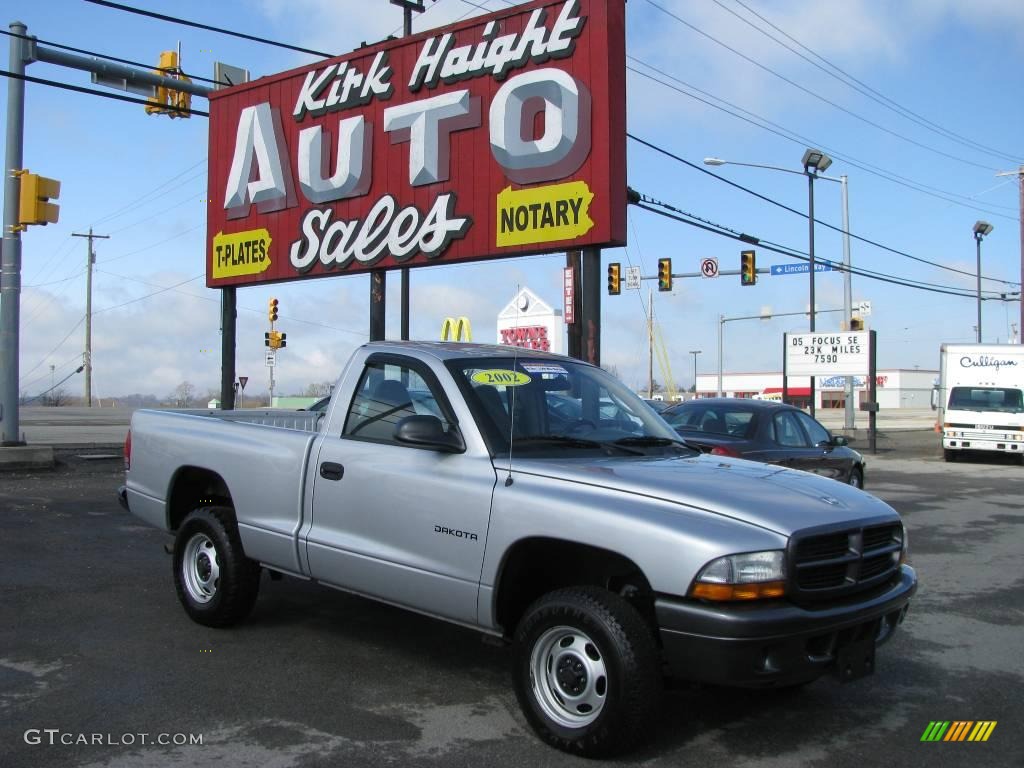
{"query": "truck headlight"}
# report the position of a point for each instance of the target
(747, 576)
(905, 546)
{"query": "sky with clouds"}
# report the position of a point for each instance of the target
(921, 153)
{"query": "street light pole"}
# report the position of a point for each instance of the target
(814, 161)
(695, 352)
(848, 419)
(981, 228)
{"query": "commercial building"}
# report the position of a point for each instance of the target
(896, 388)
(529, 322)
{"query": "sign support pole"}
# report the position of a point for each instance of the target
(590, 310)
(785, 372)
(228, 339)
(873, 388)
(574, 330)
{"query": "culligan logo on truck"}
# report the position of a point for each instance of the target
(984, 361)
(409, 150)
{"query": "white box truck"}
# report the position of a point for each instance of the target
(980, 398)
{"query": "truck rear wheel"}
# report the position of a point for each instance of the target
(586, 671)
(216, 583)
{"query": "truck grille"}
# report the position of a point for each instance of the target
(832, 563)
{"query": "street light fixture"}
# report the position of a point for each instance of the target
(981, 228)
(695, 352)
(814, 163)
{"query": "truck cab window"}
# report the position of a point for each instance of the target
(387, 394)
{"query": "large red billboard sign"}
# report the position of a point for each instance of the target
(498, 136)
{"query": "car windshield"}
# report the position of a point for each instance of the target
(550, 407)
(986, 399)
(717, 419)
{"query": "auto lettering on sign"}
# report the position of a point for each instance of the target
(497, 136)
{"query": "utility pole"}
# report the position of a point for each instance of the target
(378, 278)
(90, 260)
(695, 352)
(1019, 173)
(650, 344)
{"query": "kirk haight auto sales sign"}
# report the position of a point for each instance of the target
(497, 136)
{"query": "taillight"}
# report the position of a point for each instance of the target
(128, 451)
(719, 450)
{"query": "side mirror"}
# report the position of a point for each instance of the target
(839, 440)
(428, 432)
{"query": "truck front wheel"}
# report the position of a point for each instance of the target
(586, 671)
(216, 583)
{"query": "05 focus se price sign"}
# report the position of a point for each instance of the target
(827, 354)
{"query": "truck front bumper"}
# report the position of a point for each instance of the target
(983, 444)
(778, 643)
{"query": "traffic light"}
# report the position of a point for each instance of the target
(169, 101)
(283, 340)
(266, 339)
(614, 279)
(748, 268)
(856, 324)
(664, 274)
(34, 204)
(272, 310)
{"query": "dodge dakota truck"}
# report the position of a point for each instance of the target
(535, 499)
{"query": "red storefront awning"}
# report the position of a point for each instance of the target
(793, 391)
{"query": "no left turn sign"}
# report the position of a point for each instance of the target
(709, 267)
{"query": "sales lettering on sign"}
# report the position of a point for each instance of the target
(497, 136)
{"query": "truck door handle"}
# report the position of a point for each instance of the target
(331, 471)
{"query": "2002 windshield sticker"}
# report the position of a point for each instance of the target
(500, 377)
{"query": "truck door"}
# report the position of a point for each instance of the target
(396, 522)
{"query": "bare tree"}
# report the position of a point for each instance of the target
(183, 394)
(318, 389)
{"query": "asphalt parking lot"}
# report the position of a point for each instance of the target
(94, 642)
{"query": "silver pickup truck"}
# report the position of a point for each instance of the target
(536, 499)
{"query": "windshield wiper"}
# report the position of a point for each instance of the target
(651, 440)
(573, 442)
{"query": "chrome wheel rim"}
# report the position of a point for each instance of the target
(200, 569)
(569, 677)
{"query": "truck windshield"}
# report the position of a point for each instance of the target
(986, 399)
(551, 407)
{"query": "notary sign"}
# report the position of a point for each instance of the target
(827, 354)
(496, 136)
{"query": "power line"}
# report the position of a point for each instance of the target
(866, 89)
(649, 205)
(149, 295)
(796, 138)
(107, 57)
(804, 215)
(154, 245)
(143, 199)
(104, 94)
(47, 391)
(207, 27)
(59, 344)
(818, 96)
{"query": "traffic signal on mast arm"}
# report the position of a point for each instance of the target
(272, 310)
(283, 340)
(748, 268)
(614, 279)
(276, 340)
(856, 324)
(168, 101)
(34, 206)
(664, 274)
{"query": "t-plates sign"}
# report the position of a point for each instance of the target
(495, 136)
(242, 381)
(632, 278)
(709, 267)
(827, 354)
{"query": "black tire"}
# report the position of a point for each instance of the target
(216, 583)
(856, 478)
(596, 634)
(949, 455)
